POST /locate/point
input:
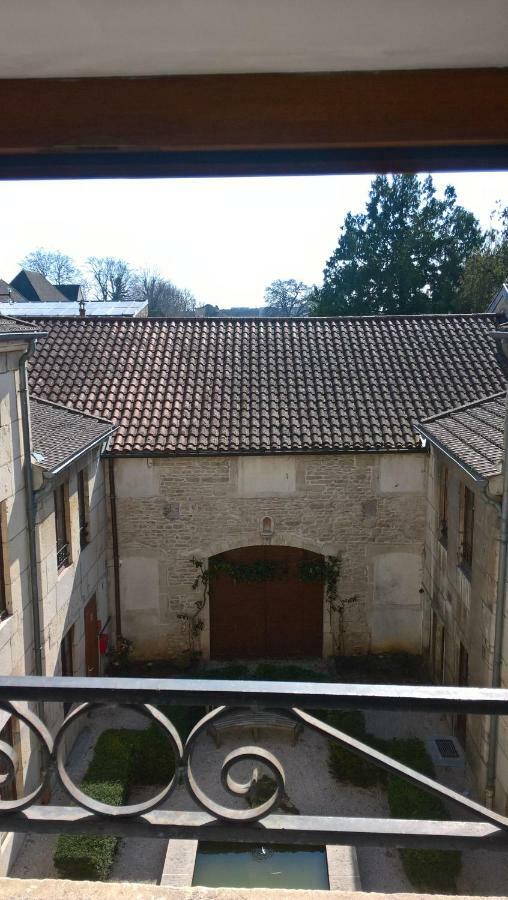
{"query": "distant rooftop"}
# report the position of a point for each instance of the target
(8, 293)
(36, 288)
(471, 434)
(66, 308)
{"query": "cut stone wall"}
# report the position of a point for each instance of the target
(369, 508)
(65, 594)
(465, 605)
(62, 595)
(16, 635)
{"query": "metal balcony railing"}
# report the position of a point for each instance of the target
(62, 556)
(476, 826)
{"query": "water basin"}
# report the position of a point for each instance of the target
(260, 866)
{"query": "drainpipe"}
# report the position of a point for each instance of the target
(499, 622)
(30, 511)
(114, 538)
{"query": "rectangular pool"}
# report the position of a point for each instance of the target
(260, 866)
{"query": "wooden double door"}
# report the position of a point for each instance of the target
(278, 616)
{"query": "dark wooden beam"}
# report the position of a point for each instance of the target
(240, 124)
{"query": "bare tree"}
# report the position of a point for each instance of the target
(57, 267)
(110, 278)
(287, 298)
(163, 297)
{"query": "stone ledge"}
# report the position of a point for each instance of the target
(60, 889)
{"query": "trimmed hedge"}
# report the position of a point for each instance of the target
(183, 717)
(429, 870)
(288, 672)
(122, 758)
(344, 765)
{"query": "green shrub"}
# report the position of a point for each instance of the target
(342, 763)
(430, 870)
(347, 766)
(352, 721)
(90, 857)
(288, 672)
(183, 718)
(232, 671)
(122, 758)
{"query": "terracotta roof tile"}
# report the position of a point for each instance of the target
(266, 385)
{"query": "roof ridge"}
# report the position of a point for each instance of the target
(462, 407)
(261, 319)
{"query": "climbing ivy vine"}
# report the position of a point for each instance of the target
(193, 620)
(328, 570)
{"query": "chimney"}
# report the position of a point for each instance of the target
(82, 307)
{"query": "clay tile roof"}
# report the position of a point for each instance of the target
(59, 434)
(472, 434)
(184, 386)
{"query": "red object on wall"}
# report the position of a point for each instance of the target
(103, 644)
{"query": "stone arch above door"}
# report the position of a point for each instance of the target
(252, 539)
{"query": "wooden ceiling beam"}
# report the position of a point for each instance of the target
(249, 124)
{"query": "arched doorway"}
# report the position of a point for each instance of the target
(266, 602)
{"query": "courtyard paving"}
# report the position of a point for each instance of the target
(309, 786)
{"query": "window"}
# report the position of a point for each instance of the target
(4, 612)
(467, 527)
(443, 505)
(7, 788)
(62, 539)
(463, 681)
(82, 508)
(66, 653)
(66, 662)
(437, 649)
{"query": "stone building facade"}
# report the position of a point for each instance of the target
(16, 633)
(367, 508)
(63, 591)
(461, 587)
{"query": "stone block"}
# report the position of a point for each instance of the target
(395, 630)
(266, 476)
(139, 583)
(136, 478)
(397, 579)
(401, 473)
(15, 513)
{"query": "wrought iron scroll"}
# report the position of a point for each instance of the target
(55, 749)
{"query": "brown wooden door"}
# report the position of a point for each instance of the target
(274, 618)
(91, 638)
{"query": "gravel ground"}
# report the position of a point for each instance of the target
(310, 787)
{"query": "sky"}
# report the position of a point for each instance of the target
(223, 239)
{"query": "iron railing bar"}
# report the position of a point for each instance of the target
(262, 694)
(401, 771)
(285, 829)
